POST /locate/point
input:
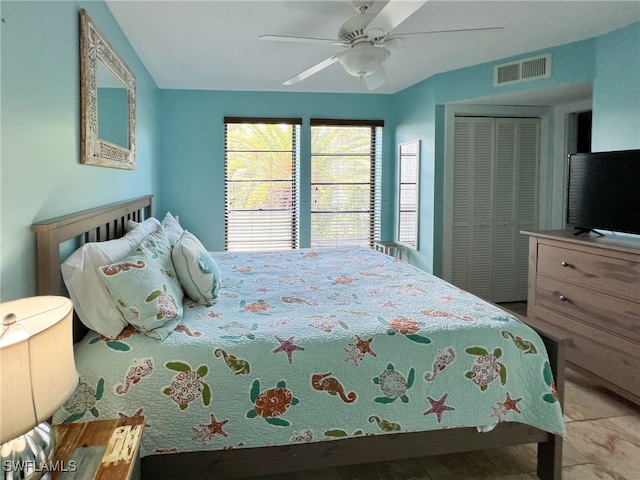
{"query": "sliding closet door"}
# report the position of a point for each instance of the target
(495, 196)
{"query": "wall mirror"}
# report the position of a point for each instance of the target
(408, 189)
(108, 101)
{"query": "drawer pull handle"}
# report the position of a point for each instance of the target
(564, 264)
(563, 298)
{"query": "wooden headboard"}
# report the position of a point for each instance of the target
(93, 225)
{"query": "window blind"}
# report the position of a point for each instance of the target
(408, 191)
(345, 178)
(260, 162)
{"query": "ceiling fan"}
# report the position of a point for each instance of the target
(366, 39)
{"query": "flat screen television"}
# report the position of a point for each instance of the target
(604, 191)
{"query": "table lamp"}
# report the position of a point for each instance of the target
(37, 375)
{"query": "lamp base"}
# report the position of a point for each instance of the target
(30, 456)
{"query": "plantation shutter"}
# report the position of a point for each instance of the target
(474, 150)
(494, 198)
(524, 216)
(345, 179)
(260, 162)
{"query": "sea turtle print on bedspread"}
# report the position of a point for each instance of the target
(317, 344)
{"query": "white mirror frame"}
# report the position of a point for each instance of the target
(94, 48)
(408, 149)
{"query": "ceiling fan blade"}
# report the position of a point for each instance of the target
(393, 14)
(376, 79)
(285, 38)
(448, 31)
(392, 41)
(312, 70)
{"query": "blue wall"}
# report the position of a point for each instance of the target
(180, 133)
(616, 90)
(192, 148)
(41, 172)
(611, 62)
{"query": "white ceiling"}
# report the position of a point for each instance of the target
(214, 45)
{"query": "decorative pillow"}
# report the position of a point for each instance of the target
(91, 301)
(149, 225)
(145, 287)
(173, 228)
(197, 270)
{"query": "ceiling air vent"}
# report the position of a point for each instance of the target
(522, 70)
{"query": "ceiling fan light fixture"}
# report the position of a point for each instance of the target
(363, 60)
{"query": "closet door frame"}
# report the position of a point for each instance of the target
(545, 170)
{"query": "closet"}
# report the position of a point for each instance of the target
(495, 172)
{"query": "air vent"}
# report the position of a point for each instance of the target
(522, 71)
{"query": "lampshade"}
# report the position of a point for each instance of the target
(37, 368)
(363, 59)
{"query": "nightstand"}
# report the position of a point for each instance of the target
(104, 449)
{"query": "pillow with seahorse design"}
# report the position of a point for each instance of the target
(197, 271)
(145, 287)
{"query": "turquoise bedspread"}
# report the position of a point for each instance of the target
(316, 344)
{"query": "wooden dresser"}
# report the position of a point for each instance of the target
(587, 288)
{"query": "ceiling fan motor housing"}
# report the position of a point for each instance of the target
(353, 30)
(363, 59)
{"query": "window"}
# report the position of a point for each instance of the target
(345, 169)
(408, 174)
(260, 183)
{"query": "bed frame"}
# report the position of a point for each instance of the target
(106, 223)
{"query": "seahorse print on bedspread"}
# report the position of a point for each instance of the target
(141, 368)
(444, 358)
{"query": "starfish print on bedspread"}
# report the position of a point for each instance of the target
(287, 346)
(364, 346)
(208, 431)
(510, 404)
(502, 408)
(356, 351)
(438, 407)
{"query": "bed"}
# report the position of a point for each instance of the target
(313, 358)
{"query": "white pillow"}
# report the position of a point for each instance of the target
(150, 224)
(197, 271)
(91, 301)
(172, 228)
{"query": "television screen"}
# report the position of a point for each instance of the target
(604, 191)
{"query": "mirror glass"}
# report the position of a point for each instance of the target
(113, 108)
(108, 94)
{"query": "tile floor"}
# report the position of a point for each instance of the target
(602, 443)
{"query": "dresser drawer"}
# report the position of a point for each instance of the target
(597, 272)
(613, 359)
(601, 310)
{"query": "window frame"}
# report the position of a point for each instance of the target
(409, 149)
(250, 245)
(375, 154)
